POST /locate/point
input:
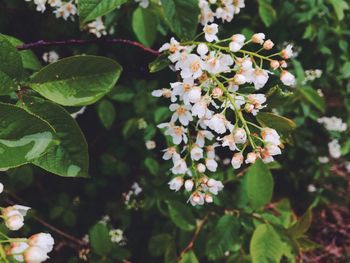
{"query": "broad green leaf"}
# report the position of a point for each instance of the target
(100, 240)
(267, 12)
(182, 17)
(305, 244)
(161, 114)
(106, 113)
(258, 184)
(189, 257)
(302, 225)
(170, 255)
(11, 61)
(277, 97)
(345, 70)
(144, 25)
(265, 245)
(76, 81)
(152, 165)
(7, 85)
(181, 215)
(339, 7)
(159, 63)
(158, 244)
(29, 59)
(91, 9)
(223, 237)
(312, 96)
(24, 137)
(282, 124)
(70, 158)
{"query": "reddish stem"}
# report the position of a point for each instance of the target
(43, 43)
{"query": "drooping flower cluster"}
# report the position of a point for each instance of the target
(34, 249)
(209, 102)
(219, 9)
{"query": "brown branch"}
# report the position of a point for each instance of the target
(43, 43)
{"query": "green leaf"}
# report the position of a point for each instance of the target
(106, 113)
(223, 237)
(24, 137)
(258, 184)
(267, 12)
(76, 81)
(70, 158)
(159, 63)
(302, 225)
(100, 239)
(161, 114)
(144, 25)
(277, 97)
(152, 165)
(189, 257)
(339, 7)
(312, 97)
(11, 61)
(182, 17)
(7, 85)
(306, 244)
(265, 245)
(181, 215)
(282, 124)
(345, 70)
(29, 59)
(158, 244)
(91, 9)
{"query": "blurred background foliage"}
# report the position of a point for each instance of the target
(118, 127)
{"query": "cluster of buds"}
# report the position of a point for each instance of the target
(34, 249)
(210, 107)
(219, 9)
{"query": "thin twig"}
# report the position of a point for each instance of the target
(44, 43)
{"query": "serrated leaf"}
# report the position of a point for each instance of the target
(144, 25)
(265, 245)
(159, 63)
(76, 81)
(106, 113)
(91, 9)
(258, 184)
(100, 240)
(181, 215)
(282, 124)
(158, 244)
(223, 237)
(182, 17)
(11, 61)
(24, 137)
(312, 96)
(70, 158)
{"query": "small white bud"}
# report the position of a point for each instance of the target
(189, 185)
(201, 168)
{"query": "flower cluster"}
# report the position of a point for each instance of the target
(130, 197)
(333, 124)
(34, 249)
(220, 9)
(64, 9)
(209, 104)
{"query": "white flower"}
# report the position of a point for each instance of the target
(237, 160)
(169, 153)
(176, 183)
(211, 164)
(210, 32)
(194, 95)
(229, 141)
(252, 157)
(201, 168)
(260, 78)
(150, 145)
(239, 79)
(214, 186)
(35, 255)
(268, 44)
(202, 135)
(219, 124)
(218, 62)
(189, 185)
(97, 27)
(333, 124)
(225, 13)
(117, 235)
(208, 198)
(334, 149)
(196, 153)
(66, 10)
(240, 136)
(40, 5)
(174, 48)
(287, 78)
(43, 241)
(311, 188)
(323, 159)
(17, 249)
(258, 38)
(181, 113)
(211, 151)
(192, 67)
(54, 3)
(202, 49)
(270, 136)
(287, 52)
(197, 198)
(180, 166)
(50, 57)
(254, 103)
(14, 216)
(178, 133)
(237, 42)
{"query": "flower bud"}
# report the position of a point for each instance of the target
(42, 240)
(14, 222)
(176, 183)
(208, 198)
(258, 38)
(194, 95)
(237, 160)
(217, 92)
(35, 255)
(202, 49)
(239, 135)
(189, 185)
(268, 44)
(283, 63)
(201, 168)
(287, 78)
(251, 157)
(239, 79)
(274, 64)
(287, 52)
